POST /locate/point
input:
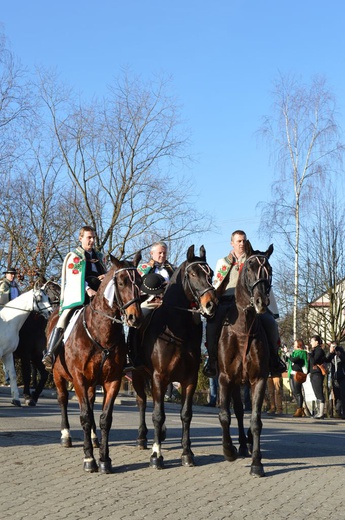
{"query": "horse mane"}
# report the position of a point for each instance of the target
(174, 293)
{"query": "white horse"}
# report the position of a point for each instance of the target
(12, 318)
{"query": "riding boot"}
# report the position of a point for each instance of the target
(321, 407)
(210, 368)
(134, 357)
(53, 343)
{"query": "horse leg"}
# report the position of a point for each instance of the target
(186, 418)
(258, 393)
(41, 383)
(238, 409)
(158, 419)
(94, 437)
(110, 392)
(229, 450)
(9, 365)
(86, 421)
(139, 386)
(26, 375)
(62, 398)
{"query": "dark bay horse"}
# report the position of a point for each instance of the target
(171, 345)
(94, 354)
(32, 343)
(243, 355)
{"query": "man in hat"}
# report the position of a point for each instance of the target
(8, 286)
(153, 287)
(8, 291)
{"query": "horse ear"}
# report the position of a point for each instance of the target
(248, 248)
(190, 253)
(269, 251)
(137, 258)
(202, 253)
(114, 261)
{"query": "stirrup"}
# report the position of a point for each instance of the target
(48, 362)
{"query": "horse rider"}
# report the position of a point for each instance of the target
(82, 272)
(225, 281)
(156, 273)
(158, 262)
(8, 286)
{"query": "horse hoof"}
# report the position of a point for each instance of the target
(66, 442)
(142, 444)
(188, 461)
(95, 443)
(156, 462)
(230, 454)
(16, 402)
(243, 451)
(90, 466)
(257, 471)
(105, 467)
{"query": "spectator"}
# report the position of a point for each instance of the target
(297, 364)
(317, 358)
(8, 286)
(213, 391)
(338, 378)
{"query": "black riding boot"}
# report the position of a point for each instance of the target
(134, 358)
(210, 368)
(53, 343)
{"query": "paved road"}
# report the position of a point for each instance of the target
(304, 462)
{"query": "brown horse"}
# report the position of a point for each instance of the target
(171, 346)
(94, 354)
(243, 355)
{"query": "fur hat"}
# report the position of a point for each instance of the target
(153, 283)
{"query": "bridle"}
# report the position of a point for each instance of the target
(37, 298)
(262, 276)
(131, 272)
(197, 295)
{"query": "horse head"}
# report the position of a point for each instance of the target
(41, 303)
(255, 280)
(198, 282)
(126, 285)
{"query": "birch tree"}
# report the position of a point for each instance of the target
(303, 136)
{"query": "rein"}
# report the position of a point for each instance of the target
(34, 299)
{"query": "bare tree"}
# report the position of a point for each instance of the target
(120, 156)
(303, 135)
(326, 264)
(15, 104)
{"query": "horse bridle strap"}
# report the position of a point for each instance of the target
(196, 296)
(131, 275)
(104, 314)
(263, 275)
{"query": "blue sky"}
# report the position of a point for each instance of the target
(223, 57)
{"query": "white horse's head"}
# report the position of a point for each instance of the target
(41, 302)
